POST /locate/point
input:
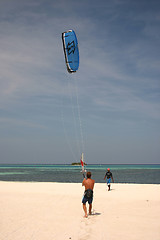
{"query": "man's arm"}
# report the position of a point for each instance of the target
(83, 183)
(112, 179)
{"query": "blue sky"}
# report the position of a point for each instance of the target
(110, 108)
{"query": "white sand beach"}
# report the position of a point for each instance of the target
(53, 211)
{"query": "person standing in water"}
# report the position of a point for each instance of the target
(88, 194)
(109, 177)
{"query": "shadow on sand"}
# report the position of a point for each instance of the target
(112, 189)
(95, 214)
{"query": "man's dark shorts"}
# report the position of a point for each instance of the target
(88, 196)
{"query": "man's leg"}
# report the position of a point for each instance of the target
(108, 183)
(90, 208)
(85, 210)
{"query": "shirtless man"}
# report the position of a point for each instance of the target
(88, 194)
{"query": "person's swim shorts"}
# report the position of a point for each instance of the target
(108, 181)
(85, 199)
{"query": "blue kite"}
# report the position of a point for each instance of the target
(71, 52)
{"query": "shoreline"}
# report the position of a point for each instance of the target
(115, 183)
(50, 210)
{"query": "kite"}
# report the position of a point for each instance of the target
(71, 52)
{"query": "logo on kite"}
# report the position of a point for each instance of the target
(71, 47)
(71, 52)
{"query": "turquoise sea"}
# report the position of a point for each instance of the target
(122, 173)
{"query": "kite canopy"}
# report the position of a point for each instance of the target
(71, 52)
